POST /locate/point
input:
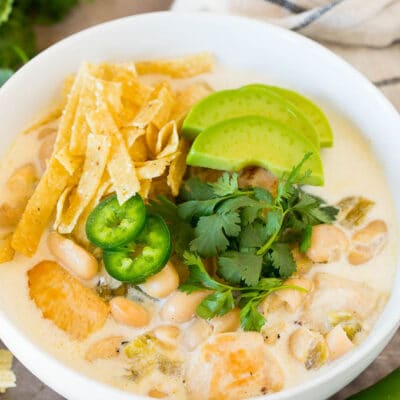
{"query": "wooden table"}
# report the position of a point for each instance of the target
(28, 386)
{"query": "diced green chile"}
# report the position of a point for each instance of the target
(113, 225)
(142, 258)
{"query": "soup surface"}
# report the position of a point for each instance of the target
(173, 356)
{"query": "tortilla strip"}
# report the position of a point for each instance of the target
(178, 167)
(41, 205)
(152, 168)
(6, 251)
(120, 166)
(97, 151)
(93, 90)
(79, 231)
(61, 205)
(157, 109)
(168, 140)
(70, 162)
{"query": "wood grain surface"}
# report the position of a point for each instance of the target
(28, 386)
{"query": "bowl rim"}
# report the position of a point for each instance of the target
(10, 334)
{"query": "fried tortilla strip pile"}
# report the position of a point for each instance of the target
(116, 134)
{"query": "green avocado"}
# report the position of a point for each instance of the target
(236, 143)
(227, 104)
(309, 109)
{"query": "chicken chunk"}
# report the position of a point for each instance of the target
(333, 294)
(233, 366)
(256, 176)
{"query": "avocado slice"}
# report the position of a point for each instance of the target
(309, 109)
(234, 103)
(240, 142)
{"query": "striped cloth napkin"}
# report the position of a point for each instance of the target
(365, 32)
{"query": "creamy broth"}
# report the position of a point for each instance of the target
(350, 169)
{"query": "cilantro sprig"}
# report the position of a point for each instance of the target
(249, 232)
(225, 297)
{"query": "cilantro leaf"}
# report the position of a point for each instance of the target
(211, 232)
(285, 185)
(266, 284)
(197, 208)
(216, 304)
(282, 259)
(263, 194)
(306, 239)
(253, 235)
(226, 184)
(195, 189)
(250, 318)
(273, 221)
(181, 232)
(236, 267)
(199, 277)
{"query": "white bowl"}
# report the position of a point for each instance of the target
(244, 44)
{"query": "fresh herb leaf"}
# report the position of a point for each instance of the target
(199, 278)
(273, 221)
(181, 232)
(196, 208)
(253, 235)
(212, 231)
(195, 189)
(250, 318)
(282, 259)
(236, 267)
(286, 184)
(306, 239)
(226, 184)
(216, 304)
(263, 195)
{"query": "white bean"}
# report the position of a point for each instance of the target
(181, 307)
(229, 322)
(72, 256)
(328, 243)
(162, 284)
(167, 335)
(104, 348)
(22, 181)
(198, 332)
(368, 242)
(308, 347)
(129, 313)
(293, 298)
(46, 150)
(338, 342)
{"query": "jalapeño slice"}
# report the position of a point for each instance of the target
(112, 225)
(142, 258)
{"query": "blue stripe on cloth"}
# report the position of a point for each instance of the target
(290, 6)
(310, 18)
(388, 82)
